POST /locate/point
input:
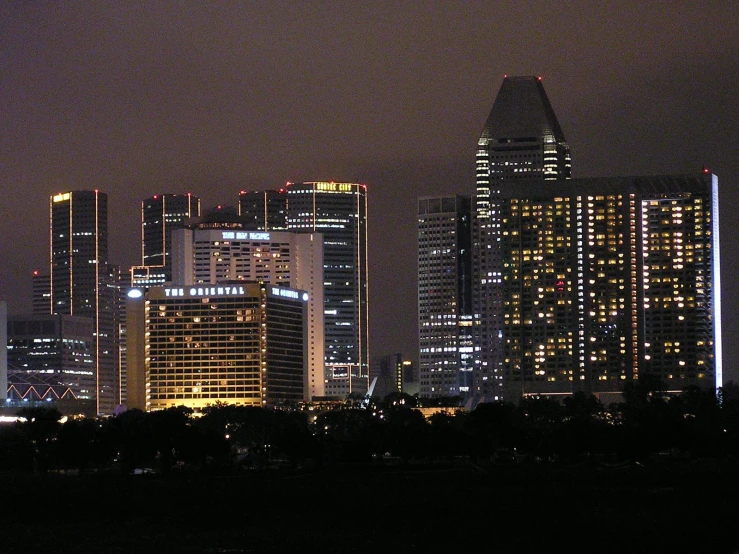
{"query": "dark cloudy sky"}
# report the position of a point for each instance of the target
(139, 98)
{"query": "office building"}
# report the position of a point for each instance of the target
(160, 215)
(51, 357)
(243, 344)
(339, 212)
(264, 210)
(445, 316)
(206, 253)
(82, 281)
(40, 293)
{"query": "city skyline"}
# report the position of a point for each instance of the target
(141, 114)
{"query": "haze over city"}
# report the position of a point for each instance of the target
(141, 99)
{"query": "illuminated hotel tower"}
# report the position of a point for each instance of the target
(82, 281)
(445, 320)
(339, 212)
(160, 215)
(210, 252)
(521, 140)
(587, 284)
(242, 344)
(606, 280)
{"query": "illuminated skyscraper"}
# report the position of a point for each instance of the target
(607, 280)
(82, 281)
(587, 284)
(445, 319)
(521, 140)
(160, 215)
(339, 212)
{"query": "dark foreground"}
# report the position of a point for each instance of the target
(658, 507)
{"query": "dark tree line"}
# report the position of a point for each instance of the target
(696, 423)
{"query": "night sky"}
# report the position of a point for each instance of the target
(140, 98)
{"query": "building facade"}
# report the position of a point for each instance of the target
(51, 357)
(606, 280)
(212, 255)
(264, 210)
(445, 314)
(339, 212)
(83, 282)
(242, 344)
(587, 284)
(160, 215)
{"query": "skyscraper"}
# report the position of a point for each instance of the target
(264, 210)
(160, 214)
(521, 140)
(445, 316)
(339, 212)
(82, 281)
(606, 280)
(587, 284)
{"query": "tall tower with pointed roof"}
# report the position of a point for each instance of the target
(521, 141)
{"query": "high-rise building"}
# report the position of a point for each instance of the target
(264, 210)
(204, 253)
(521, 140)
(606, 280)
(242, 344)
(51, 357)
(123, 285)
(339, 212)
(82, 281)
(40, 293)
(587, 284)
(445, 316)
(160, 215)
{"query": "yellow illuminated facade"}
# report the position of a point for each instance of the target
(242, 344)
(605, 280)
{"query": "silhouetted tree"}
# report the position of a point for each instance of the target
(40, 427)
(491, 426)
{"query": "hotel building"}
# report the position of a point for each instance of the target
(243, 344)
(605, 280)
(208, 253)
